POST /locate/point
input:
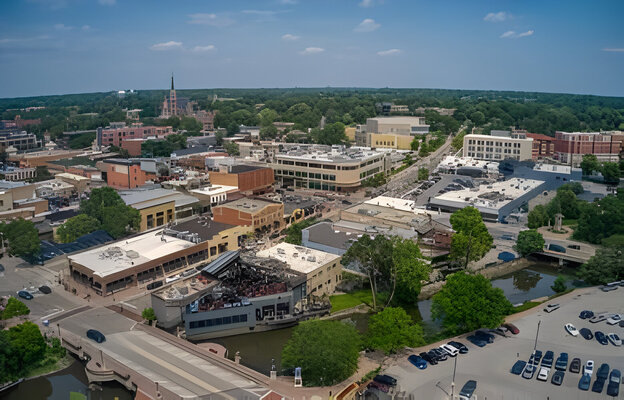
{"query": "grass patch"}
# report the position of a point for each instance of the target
(50, 364)
(370, 375)
(348, 300)
(526, 306)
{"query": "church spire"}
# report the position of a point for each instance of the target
(172, 81)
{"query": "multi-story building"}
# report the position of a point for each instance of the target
(332, 168)
(396, 108)
(159, 206)
(18, 174)
(206, 118)
(249, 179)
(18, 122)
(117, 133)
(499, 145)
(543, 146)
(213, 195)
(390, 132)
(18, 139)
(126, 173)
(257, 215)
(571, 146)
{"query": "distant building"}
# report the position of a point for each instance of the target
(543, 146)
(117, 133)
(390, 132)
(499, 145)
(395, 108)
(18, 123)
(571, 146)
(14, 138)
(126, 173)
(206, 118)
(249, 179)
(174, 105)
(213, 195)
(257, 215)
(18, 174)
(19, 199)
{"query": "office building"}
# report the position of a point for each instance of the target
(257, 215)
(570, 147)
(543, 146)
(14, 138)
(124, 173)
(159, 206)
(118, 132)
(213, 195)
(390, 132)
(249, 179)
(499, 145)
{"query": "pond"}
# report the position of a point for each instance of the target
(61, 385)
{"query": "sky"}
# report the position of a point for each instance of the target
(77, 46)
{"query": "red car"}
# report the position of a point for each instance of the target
(512, 328)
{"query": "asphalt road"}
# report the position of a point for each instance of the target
(490, 365)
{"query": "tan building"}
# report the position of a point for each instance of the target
(390, 132)
(323, 270)
(159, 206)
(350, 133)
(328, 168)
(80, 183)
(20, 195)
(153, 255)
(258, 215)
(499, 145)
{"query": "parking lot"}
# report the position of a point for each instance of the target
(490, 366)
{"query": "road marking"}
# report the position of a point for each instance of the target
(53, 314)
(129, 305)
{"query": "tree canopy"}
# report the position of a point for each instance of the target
(607, 265)
(468, 302)
(326, 351)
(589, 164)
(392, 329)
(22, 236)
(471, 240)
(410, 270)
(601, 219)
(77, 226)
(14, 308)
(528, 242)
(106, 206)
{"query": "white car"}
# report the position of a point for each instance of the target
(551, 307)
(598, 318)
(543, 374)
(450, 350)
(571, 329)
(614, 319)
(589, 368)
(614, 339)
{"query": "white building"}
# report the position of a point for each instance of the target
(499, 145)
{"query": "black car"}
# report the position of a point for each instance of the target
(586, 333)
(439, 354)
(621, 323)
(601, 338)
(518, 367)
(575, 365)
(548, 359)
(45, 289)
(485, 336)
(613, 388)
(598, 385)
(535, 357)
(586, 314)
(468, 389)
(476, 341)
(557, 378)
(427, 357)
(459, 346)
(96, 335)
(386, 380)
(603, 371)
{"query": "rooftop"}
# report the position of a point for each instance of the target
(143, 198)
(490, 137)
(334, 154)
(248, 204)
(561, 169)
(201, 227)
(299, 258)
(214, 189)
(11, 184)
(191, 150)
(452, 162)
(72, 176)
(399, 120)
(341, 234)
(238, 169)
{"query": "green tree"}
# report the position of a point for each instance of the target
(77, 226)
(409, 270)
(471, 240)
(267, 116)
(528, 242)
(28, 344)
(14, 308)
(610, 172)
(148, 314)
(568, 203)
(293, 232)
(467, 302)
(231, 148)
(326, 351)
(331, 134)
(415, 144)
(478, 118)
(559, 285)
(537, 217)
(109, 209)
(23, 237)
(423, 174)
(589, 164)
(392, 329)
(574, 187)
(604, 267)
(268, 132)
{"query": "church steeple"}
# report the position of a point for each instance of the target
(172, 81)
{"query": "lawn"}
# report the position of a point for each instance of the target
(348, 300)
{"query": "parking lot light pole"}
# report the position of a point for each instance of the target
(453, 381)
(536, 334)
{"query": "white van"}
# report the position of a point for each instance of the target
(450, 350)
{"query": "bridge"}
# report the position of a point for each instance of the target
(573, 251)
(153, 363)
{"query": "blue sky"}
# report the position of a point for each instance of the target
(74, 46)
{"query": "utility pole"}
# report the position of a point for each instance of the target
(453, 381)
(536, 334)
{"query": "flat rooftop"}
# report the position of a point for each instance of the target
(561, 169)
(142, 198)
(214, 189)
(299, 258)
(327, 154)
(399, 120)
(203, 227)
(129, 253)
(342, 234)
(452, 162)
(245, 204)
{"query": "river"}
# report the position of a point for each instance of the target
(258, 350)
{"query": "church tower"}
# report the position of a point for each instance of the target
(173, 103)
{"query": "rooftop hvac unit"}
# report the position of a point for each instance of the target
(311, 259)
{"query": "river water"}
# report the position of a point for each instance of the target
(259, 350)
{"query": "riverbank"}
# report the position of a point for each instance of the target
(51, 367)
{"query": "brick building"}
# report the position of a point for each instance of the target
(258, 215)
(249, 179)
(126, 173)
(571, 146)
(543, 146)
(117, 133)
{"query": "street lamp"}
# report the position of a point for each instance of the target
(453, 381)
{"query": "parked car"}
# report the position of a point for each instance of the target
(512, 328)
(598, 385)
(25, 295)
(557, 378)
(417, 361)
(614, 319)
(440, 355)
(518, 367)
(598, 318)
(535, 357)
(614, 339)
(96, 335)
(485, 336)
(385, 380)
(476, 341)
(529, 371)
(615, 379)
(584, 382)
(543, 374)
(467, 390)
(427, 357)
(575, 365)
(603, 371)
(586, 314)
(601, 338)
(501, 331)
(551, 307)
(45, 289)
(621, 324)
(607, 288)
(571, 329)
(586, 333)
(589, 368)
(459, 346)
(450, 350)
(556, 248)
(547, 361)
(562, 362)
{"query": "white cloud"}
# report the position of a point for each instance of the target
(107, 2)
(210, 19)
(370, 3)
(390, 52)
(614, 50)
(290, 38)
(312, 50)
(86, 27)
(368, 25)
(497, 16)
(515, 35)
(203, 49)
(170, 45)
(63, 27)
